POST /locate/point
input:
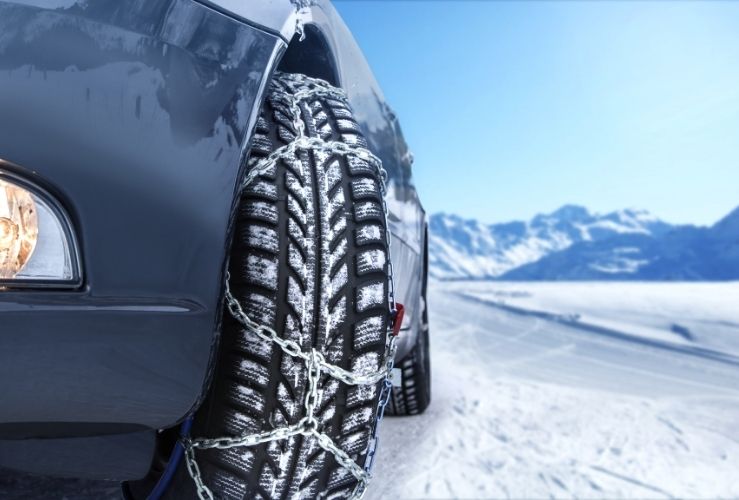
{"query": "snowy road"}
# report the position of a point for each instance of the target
(529, 407)
(525, 406)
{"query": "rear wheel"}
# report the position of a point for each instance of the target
(309, 260)
(412, 394)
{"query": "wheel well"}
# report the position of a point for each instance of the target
(311, 56)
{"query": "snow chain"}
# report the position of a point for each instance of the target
(315, 363)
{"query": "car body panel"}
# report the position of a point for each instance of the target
(275, 16)
(136, 116)
(108, 457)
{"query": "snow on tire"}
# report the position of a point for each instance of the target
(309, 259)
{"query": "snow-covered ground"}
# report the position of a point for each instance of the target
(559, 390)
(693, 314)
(531, 405)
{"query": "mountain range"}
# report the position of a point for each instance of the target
(573, 243)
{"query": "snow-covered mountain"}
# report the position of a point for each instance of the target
(574, 244)
(466, 249)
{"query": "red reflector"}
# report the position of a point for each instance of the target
(398, 319)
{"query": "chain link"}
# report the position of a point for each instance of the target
(315, 363)
(193, 469)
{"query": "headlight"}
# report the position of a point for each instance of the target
(18, 229)
(37, 247)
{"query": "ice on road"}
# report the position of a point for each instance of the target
(528, 407)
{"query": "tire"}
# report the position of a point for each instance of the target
(412, 395)
(309, 259)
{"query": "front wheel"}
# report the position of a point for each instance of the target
(309, 262)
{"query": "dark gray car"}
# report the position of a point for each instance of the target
(196, 238)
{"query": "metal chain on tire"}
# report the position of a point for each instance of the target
(315, 362)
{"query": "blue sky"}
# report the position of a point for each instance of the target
(516, 108)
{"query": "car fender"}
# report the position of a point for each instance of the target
(136, 116)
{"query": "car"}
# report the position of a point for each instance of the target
(213, 256)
